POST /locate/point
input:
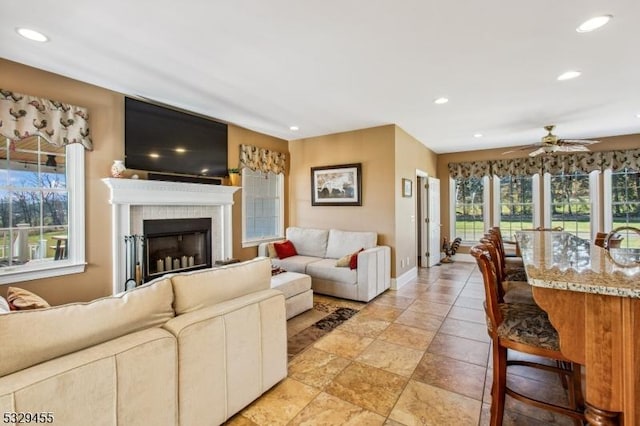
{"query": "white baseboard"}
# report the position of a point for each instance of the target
(406, 278)
(464, 257)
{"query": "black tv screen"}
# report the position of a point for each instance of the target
(160, 139)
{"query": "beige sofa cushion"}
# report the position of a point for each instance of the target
(131, 380)
(341, 243)
(295, 263)
(199, 289)
(39, 335)
(326, 269)
(308, 241)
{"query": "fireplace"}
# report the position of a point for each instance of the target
(173, 245)
(135, 201)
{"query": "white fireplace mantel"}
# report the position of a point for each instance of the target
(128, 194)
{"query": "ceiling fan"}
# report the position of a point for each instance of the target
(551, 144)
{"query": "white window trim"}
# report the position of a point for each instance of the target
(486, 205)
(594, 194)
(280, 231)
(452, 207)
(607, 217)
(547, 200)
(75, 262)
(495, 188)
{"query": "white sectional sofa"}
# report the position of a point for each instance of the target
(319, 250)
(187, 349)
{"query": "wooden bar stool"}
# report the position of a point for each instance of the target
(508, 291)
(526, 329)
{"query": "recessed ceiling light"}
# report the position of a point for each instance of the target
(180, 150)
(294, 128)
(569, 75)
(154, 155)
(477, 135)
(593, 23)
(32, 34)
(441, 101)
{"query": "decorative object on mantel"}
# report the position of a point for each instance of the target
(234, 177)
(407, 187)
(450, 249)
(339, 185)
(118, 169)
(58, 123)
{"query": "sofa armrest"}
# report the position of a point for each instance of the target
(262, 248)
(374, 272)
(231, 352)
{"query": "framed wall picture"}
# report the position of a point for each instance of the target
(339, 185)
(407, 187)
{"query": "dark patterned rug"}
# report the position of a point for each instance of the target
(336, 315)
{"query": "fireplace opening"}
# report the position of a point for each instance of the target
(173, 245)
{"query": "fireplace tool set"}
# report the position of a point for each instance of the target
(134, 245)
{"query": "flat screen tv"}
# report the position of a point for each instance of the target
(160, 139)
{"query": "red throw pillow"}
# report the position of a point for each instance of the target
(353, 262)
(285, 249)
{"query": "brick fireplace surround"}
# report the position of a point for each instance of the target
(136, 200)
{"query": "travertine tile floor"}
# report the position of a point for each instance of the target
(416, 356)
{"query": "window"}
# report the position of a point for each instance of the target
(622, 201)
(514, 207)
(470, 196)
(41, 209)
(263, 207)
(569, 202)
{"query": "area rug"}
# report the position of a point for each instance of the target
(336, 315)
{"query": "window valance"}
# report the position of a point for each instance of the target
(558, 163)
(58, 123)
(262, 159)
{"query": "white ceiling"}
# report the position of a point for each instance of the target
(335, 65)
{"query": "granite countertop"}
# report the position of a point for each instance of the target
(563, 261)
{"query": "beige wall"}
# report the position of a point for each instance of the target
(374, 149)
(387, 154)
(410, 155)
(606, 144)
(106, 109)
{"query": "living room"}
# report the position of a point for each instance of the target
(387, 152)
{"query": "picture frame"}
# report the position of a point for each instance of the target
(339, 185)
(407, 187)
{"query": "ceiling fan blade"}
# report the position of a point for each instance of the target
(572, 148)
(537, 152)
(576, 141)
(522, 148)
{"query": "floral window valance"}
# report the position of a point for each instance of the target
(585, 162)
(262, 159)
(470, 169)
(59, 124)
